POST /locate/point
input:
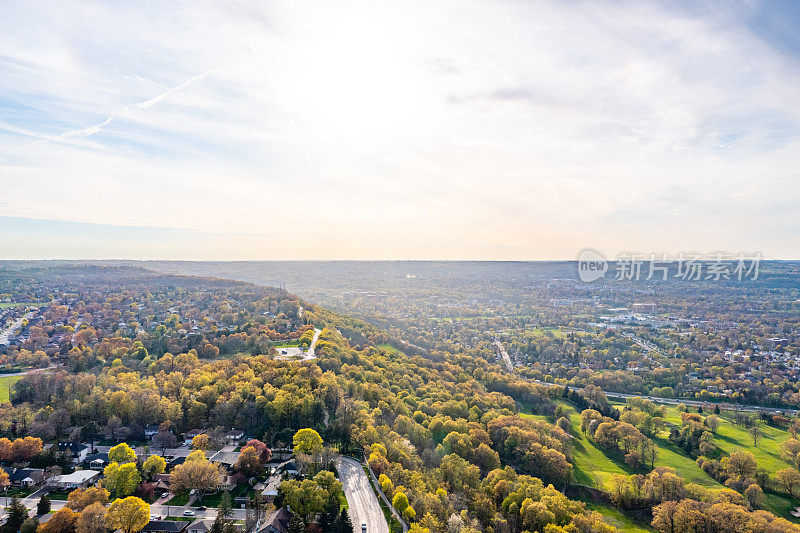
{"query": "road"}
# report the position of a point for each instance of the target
(694, 403)
(157, 508)
(363, 504)
(5, 336)
(310, 352)
(504, 355)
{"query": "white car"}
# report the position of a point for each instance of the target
(155, 517)
(364, 527)
(187, 512)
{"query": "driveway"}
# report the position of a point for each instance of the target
(363, 504)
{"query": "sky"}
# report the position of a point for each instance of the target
(496, 130)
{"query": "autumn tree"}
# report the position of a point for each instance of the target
(263, 450)
(130, 514)
(201, 442)
(121, 453)
(196, 472)
(79, 499)
(64, 520)
(789, 479)
(306, 498)
(93, 519)
(123, 479)
(154, 465)
(307, 441)
(249, 462)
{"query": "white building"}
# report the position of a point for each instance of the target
(79, 479)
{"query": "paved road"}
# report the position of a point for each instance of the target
(310, 352)
(5, 336)
(504, 356)
(363, 504)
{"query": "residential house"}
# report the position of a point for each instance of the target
(277, 522)
(289, 468)
(25, 477)
(97, 461)
(162, 482)
(189, 435)
(226, 459)
(270, 492)
(165, 526)
(199, 526)
(80, 479)
(234, 437)
(77, 450)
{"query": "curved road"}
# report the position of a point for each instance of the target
(361, 500)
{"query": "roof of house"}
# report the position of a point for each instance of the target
(22, 473)
(277, 521)
(95, 456)
(171, 526)
(74, 447)
(79, 476)
(200, 525)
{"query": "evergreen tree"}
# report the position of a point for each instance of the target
(30, 525)
(17, 514)
(343, 524)
(219, 524)
(225, 507)
(296, 524)
(43, 507)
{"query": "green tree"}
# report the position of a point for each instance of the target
(16, 514)
(225, 508)
(43, 507)
(306, 498)
(31, 525)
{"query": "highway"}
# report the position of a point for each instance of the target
(363, 504)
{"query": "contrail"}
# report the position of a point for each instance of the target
(282, 102)
(147, 104)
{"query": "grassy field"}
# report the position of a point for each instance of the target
(20, 304)
(285, 344)
(729, 438)
(617, 519)
(593, 467)
(5, 386)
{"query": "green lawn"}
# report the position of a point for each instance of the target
(179, 499)
(729, 439)
(592, 466)
(389, 349)
(212, 500)
(5, 386)
(285, 344)
(617, 519)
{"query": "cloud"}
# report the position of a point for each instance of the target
(510, 130)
